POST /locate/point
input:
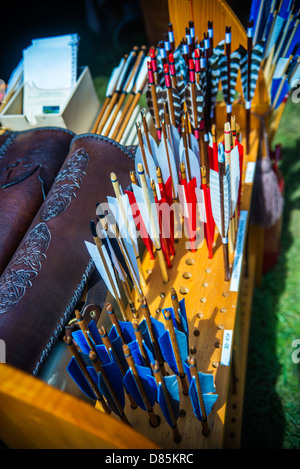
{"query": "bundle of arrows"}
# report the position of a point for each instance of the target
(186, 188)
(145, 359)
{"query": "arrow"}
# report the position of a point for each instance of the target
(115, 356)
(201, 387)
(123, 220)
(155, 329)
(118, 89)
(103, 264)
(78, 371)
(109, 381)
(229, 67)
(111, 88)
(151, 98)
(173, 345)
(221, 204)
(250, 66)
(138, 385)
(149, 210)
(131, 102)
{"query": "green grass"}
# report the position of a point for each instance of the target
(272, 409)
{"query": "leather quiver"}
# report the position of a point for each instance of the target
(44, 280)
(29, 162)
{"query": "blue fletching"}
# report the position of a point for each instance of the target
(275, 86)
(103, 354)
(114, 377)
(207, 387)
(158, 330)
(94, 333)
(167, 348)
(127, 330)
(147, 382)
(285, 9)
(158, 327)
(113, 334)
(184, 317)
(209, 400)
(116, 380)
(294, 41)
(206, 380)
(117, 345)
(145, 333)
(76, 374)
(81, 341)
(167, 351)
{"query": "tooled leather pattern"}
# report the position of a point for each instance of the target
(14, 283)
(66, 184)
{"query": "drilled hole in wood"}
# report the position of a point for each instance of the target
(190, 261)
(184, 290)
(203, 300)
(223, 310)
(225, 294)
(208, 270)
(215, 364)
(218, 344)
(233, 420)
(220, 326)
(199, 315)
(193, 350)
(158, 310)
(196, 332)
(149, 271)
(186, 275)
(205, 284)
(182, 413)
(231, 435)
(162, 295)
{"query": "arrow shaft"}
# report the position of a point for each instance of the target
(161, 385)
(74, 352)
(140, 387)
(111, 280)
(181, 373)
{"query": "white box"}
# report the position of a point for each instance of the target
(78, 115)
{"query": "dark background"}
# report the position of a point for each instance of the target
(107, 28)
